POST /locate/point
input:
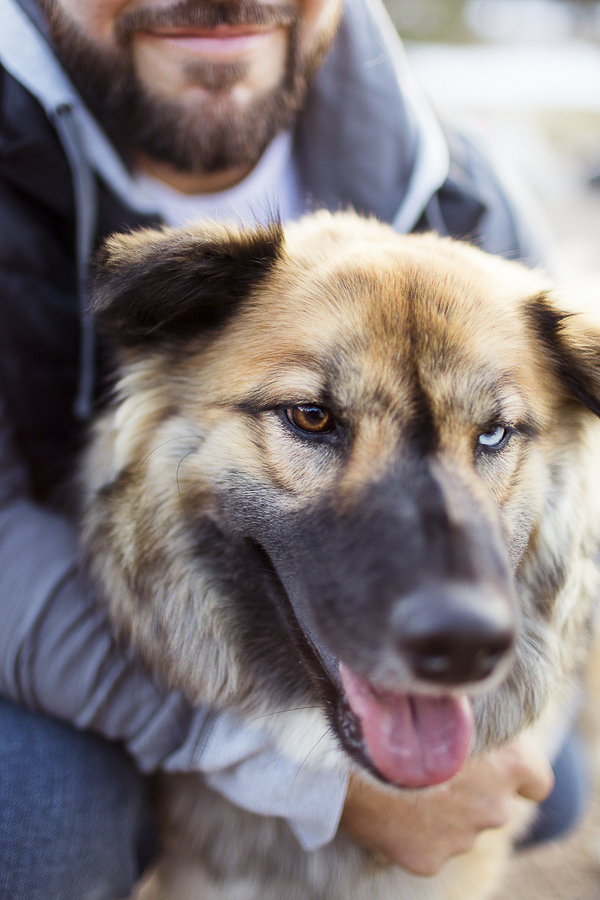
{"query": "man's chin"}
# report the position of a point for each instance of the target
(211, 132)
(223, 125)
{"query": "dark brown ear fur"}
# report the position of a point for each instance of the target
(158, 283)
(573, 345)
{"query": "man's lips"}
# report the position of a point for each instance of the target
(222, 39)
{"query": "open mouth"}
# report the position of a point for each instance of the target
(408, 739)
(412, 740)
(420, 734)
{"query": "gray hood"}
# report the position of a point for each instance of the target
(367, 136)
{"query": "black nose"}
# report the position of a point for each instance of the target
(455, 635)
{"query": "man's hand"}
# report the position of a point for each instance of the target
(422, 830)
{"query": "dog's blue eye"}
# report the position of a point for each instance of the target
(310, 418)
(495, 439)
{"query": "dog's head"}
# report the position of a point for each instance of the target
(350, 465)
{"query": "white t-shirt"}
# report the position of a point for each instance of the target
(271, 190)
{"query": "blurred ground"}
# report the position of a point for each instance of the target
(538, 107)
(556, 871)
(567, 869)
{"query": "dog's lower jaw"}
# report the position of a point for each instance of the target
(214, 850)
(207, 862)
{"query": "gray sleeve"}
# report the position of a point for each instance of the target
(57, 656)
(56, 652)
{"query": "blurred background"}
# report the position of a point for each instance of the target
(525, 75)
(461, 21)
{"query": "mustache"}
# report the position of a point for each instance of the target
(206, 14)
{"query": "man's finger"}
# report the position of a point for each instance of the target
(535, 776)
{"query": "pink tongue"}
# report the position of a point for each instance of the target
(414, 740)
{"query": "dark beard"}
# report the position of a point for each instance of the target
(213, 136)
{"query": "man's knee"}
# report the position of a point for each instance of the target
(73, 818)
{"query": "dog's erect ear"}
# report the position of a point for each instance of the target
(157, 283)
(572, 342)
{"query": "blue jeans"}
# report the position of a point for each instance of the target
(74, 821)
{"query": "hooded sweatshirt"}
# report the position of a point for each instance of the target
(366, 139)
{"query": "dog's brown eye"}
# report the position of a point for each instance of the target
(311, 418)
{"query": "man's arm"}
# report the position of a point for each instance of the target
(56, 652)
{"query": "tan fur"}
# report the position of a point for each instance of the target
(389, 309)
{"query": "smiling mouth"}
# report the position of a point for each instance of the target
(222, 39)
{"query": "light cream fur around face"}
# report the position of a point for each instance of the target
(346, 298)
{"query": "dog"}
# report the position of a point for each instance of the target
(348, 484)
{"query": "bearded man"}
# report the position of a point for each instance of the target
(117, 113)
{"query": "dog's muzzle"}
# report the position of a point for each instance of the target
(451, 640)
